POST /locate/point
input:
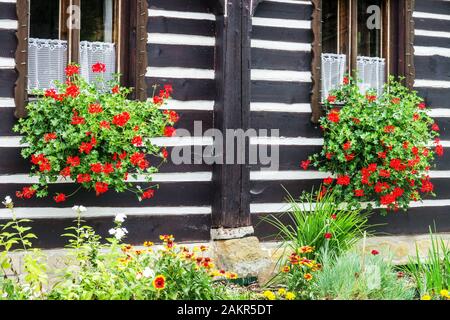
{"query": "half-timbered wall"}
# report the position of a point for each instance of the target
(182, 51)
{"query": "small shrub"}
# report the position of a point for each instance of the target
(352, 276)
(377, 149)
(319, 222)
(432, 275)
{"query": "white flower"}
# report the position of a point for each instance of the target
(7, 201)
(120, 218)
(79, 209)
(120, 233)
(112, 231)
(5, 295)
(148, 273)
(139, 276)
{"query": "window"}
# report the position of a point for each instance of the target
(51, 37)
(368, 39)
(113, 32)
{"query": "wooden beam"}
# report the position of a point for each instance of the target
(21, 57)
(231, 181)
(74, 32)
(316, 60)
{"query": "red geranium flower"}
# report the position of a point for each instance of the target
(86, 147)
(328, 235)
(331, 99)
(164, 153)
(95, 108)
(72, 69)
(77, 120)
(347, 145)
(99, 67)
(422, 106)
(329, 155)
(333, 116)
(372, 167)
(101, 187)
(115, 89)
(72, 91)
(371, 98)
(137, 141)
(105, 124)
(173, 116)
(387, 199)
(328, 181)
(108, 168)
(49, 136)
(148, 194)
(96, 168)
(439, 150)
(122, 119)
(359, 193)
(381, 186)
(346, 80)
(349, 157)
(60, 197)
(396, 100)
(26, 193)
(427, 186)
(381, 155)
(169, 131)
(73, 161)
(84, 178)
(397, 165)
(343, 180)
(385, 173)
(435, 127)
(65, 172)
(305, 164)
(389, 129)
(416, 117)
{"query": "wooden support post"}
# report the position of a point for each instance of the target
(231, 207)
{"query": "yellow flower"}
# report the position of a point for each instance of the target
(308, 276)
(290, 296)
(306, 249)
(286, 269)
(426, 297)
(269, 295)
(232, 275)
(159, 283)
(281, 292)
(148, 244)
(444, 293)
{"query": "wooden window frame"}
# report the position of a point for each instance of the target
(399, 56)
(131, 36)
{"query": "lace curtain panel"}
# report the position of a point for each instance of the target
(333, 70)
(47, 60)
(371, 73)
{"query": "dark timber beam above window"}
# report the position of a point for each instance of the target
(231, 195)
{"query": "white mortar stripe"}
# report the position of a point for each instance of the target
(256, 208)
(431, 51)
(281, 23)
(14, 141)
(179, 73)
(280, 107)
(7, 63)
(291, 1)
(419, 83)
(180, 39)
(280, 75)
(283, 141)
(280, 45)
(8, 1)
(181, 14)
(439, 113)
(157, 178)
(434, 34)
(426, 15)
(266, 175)
(61, 213)
(202, 105)
(8, 24)
(7, 103)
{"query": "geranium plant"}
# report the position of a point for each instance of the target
(377, 149)
(92, 134)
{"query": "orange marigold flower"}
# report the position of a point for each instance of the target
(308, 276)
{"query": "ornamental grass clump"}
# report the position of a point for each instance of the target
(90, 133)
(377, 149)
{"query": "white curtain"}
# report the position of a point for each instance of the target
(333, 70)
(47, 60)
(108, 20)
(93, 52)
(371, 73)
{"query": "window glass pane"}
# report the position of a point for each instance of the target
(330, 26)
(44, 19)
(370, 28)
(97, 20)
